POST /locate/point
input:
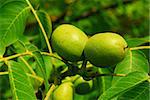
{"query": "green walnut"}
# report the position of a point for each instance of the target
(69, 42)
(82, 86)
(105, 49)
(63, 92)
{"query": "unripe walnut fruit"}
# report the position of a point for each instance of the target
(105, 49)
(63, 92)
(69, 42)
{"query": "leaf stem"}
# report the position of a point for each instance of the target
(83, 71)
(36, 77)
(41, 26)
(3, 73)
(15, 56)
(49, 92)
(27, 64)
(52, 55)
(29, 53)
(140, 47)
(109, 74)
(83, 67)
(11, 79)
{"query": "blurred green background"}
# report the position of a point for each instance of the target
(129, 18)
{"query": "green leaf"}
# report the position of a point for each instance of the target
(13, 15)
(133, 61)
(139, 92)
(133, 42)
(19, 47)
(2, 48)
(40, 69)
(46, 22)
(124, 84)
(4, 2)
(31, 47)
(20, 84)
(48, 65)
(30, 60)
(104, 81)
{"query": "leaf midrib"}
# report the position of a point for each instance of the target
(13, 21)
(13, 84)
(130, 66)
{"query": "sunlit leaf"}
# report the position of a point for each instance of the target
(46, 22)
(21, 47)
(133, 61)
(13, 16)
(123, 84)
(20, 84)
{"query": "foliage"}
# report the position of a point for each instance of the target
(30, 69)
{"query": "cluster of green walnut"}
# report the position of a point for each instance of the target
(102, 49)
(72, 44)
